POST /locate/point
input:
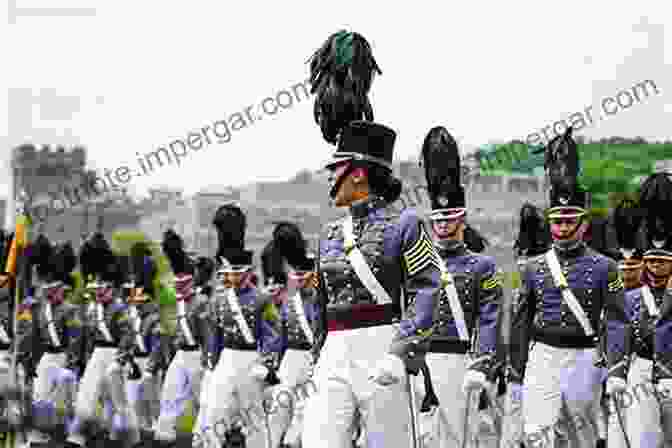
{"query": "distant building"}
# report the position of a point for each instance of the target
(57, 183)
(165, 196)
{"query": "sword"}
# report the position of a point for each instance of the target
(410, 390)
(465, 429)
(619, 417)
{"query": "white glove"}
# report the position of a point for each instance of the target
(616, 385)
(259, 372)
(114, 369)
(665, 385)
(474, 379)
(389, 370)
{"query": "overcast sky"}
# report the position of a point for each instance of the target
(140, 73)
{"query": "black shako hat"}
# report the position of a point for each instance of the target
(567, 203)
(440, 158)
(655, 197)
(235, 260)
(561, 161)
(366, 141)
(628, 217)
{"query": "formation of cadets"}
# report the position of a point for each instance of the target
(397, 332)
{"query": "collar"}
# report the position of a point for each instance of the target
(362, 208)
(451, 248)
(572, 248)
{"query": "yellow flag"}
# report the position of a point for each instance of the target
(19, 243)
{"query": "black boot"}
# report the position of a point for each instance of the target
(234, 438)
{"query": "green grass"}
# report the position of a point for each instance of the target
(606, 168)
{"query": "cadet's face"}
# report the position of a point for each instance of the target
(564, 228)
(631, 274)
(659, 268)
(447, 228)
(232, 279)
(344, 194)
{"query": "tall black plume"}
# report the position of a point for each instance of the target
(204, 268)
(231, 224)
(173, 247)
(534, 237)
(440, 158)
(655, 197)
(64, 262)
(272, 265)
(628, 217)
(41, 252)
(341, 74)
(96, 259)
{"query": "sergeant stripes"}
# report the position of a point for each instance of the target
(421, 254)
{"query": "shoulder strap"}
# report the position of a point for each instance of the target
(449, 289)
(360, 266)
(649, 301)
(297, 303)
(51, 325)
(137, 325)
(568, 296)
(238, 316)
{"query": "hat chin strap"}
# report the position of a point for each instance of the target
(337, 185)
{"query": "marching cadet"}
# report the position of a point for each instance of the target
(146, 324)
(534, 239)
(53, 327)
(465, 338)
(289, 269)
(251, 337)
(111, 335)
(563, 295)
(628, 217)
(183, 378)
(641, 416)
(379, 272)
(6, 321)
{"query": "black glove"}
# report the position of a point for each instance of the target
(431, 400)
(272, 376)
(234, 438)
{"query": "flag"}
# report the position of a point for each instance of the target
(19, 243)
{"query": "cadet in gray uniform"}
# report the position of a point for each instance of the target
(111, 335)
(289, 271)
(379, 272)
(465, 339)
(6, 322)
(53, 326)
(143, 392)
(183, 378)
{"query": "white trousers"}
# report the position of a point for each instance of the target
(345, 397)
(5, 367)
(444, 427)
(286, 409)
(643, 411)
(102, 381)
(182, 383)
(561, 397)
(229, 402)
(53, 388)
(143, 396)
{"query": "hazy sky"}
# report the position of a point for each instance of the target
(139, 74)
